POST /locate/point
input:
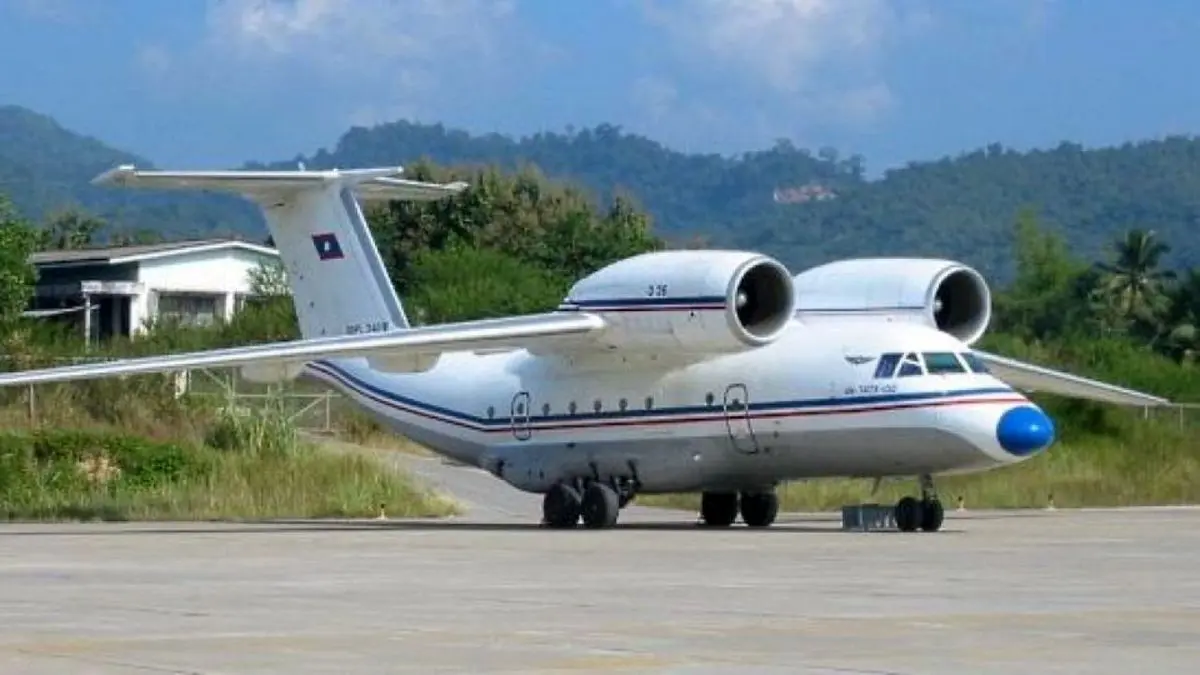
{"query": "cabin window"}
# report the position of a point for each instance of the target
(491, 411)
(709, 398)
(623, 403)
(910, 366)
(887, 366)
(545, 408)
(975, 363)
(649, 402)
(572, 407)
(597, 405)
(940, 363)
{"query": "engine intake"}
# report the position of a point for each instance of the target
(961, 304)
(762, 300)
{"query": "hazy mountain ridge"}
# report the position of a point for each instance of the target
(802, 206)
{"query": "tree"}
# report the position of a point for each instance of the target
(1046, 298)
(69, 229)
(18, 241)
(1133, 285)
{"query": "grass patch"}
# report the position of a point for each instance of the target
(251, 467)
(1135, 463)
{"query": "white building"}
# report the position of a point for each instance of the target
(118, 291)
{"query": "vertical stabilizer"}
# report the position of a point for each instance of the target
(338, 280)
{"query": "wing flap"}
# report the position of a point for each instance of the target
(408, 190)
(528, 331)
(1030, 377)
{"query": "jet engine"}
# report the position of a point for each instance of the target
(944, 294)
(695, 301)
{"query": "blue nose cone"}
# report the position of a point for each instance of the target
(1024, 430)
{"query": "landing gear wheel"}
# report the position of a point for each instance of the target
(932, 515)
(719, 509)
(908, 514)
(561, 506)
(759, 508)
(600, 506)
(932, 512)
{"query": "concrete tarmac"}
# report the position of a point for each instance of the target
(1033, 592)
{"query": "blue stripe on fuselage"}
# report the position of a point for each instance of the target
(696, 413)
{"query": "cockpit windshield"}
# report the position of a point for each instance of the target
(897, 364)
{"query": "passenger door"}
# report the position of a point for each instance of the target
(737, 419)
(519, 414)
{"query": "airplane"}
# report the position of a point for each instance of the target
(674, 371)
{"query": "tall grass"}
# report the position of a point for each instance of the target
(256, 468)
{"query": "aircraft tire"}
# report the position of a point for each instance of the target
(718, 509)
(561, 506)
(932, 515)
(908, 514)
(759, 508)
(600, 506)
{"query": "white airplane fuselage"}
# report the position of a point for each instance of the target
(815, 409)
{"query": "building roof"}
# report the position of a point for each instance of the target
(117, 255)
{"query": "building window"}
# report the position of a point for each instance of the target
(188, 309)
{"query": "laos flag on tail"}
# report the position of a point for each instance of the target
(328, 247)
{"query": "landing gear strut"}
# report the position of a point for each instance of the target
(720, 509)
(926, 513)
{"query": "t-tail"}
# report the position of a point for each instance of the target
(338, 280)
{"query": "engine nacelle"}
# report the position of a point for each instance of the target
(944, 294)
(695, 301)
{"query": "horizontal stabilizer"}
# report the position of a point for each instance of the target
(370, 183)
(528, 331)
(1028, 377)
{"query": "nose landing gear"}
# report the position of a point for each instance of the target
(926, 513)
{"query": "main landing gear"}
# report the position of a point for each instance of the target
(926, 513)
(596, 503)
(720, 509)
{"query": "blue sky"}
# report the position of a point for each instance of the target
(199, 83)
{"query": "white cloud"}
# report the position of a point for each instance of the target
(814, 57)
(341, 35)
(365, 59)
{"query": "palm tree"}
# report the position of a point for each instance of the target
(1183, 340)
(1133, 285)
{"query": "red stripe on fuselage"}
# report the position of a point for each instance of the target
(716, 416)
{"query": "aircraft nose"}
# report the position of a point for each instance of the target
(1024, 430)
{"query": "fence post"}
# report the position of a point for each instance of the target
(32, 407)
(328, 412)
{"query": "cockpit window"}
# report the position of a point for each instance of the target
(910, 366)
(938, 363)
(887, 366)
(975, 363)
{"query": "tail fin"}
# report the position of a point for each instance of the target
(339, 283)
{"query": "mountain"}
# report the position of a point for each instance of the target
(809, 208)
(45, 168)
(802, 206)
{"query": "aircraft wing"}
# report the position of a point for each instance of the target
(1028, 377)
(376, 183)
(528, 331)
